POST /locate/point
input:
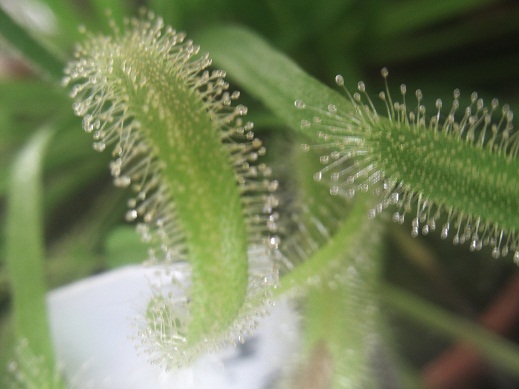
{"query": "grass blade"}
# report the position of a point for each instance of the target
(25, 246)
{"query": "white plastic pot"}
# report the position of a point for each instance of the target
(91, 322)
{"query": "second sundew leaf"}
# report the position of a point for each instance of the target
(335, 257)
(185, 150)
(341, 320)
(458, 176)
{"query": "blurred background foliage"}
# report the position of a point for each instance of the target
(436, 46)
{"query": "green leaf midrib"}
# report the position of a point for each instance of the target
(203, 185)
(454, 172)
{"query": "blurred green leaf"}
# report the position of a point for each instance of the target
(266, 73)
(402, 16)
(69, 17)
(342, 315)
(116, 10)
(25, 252)
(42, 58)
(474, 30)
(493, 347)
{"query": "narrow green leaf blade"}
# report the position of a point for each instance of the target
(267, 74)
(30, 48)
(405, 16)
(493, 347)
(25, 246)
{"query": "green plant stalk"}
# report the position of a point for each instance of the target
(25, 253)
(322, 261)
(340, 316)
(493, 347)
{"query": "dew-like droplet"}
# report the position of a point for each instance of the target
(131, 215)
(445, 231)
(472, 246)
(241, 109)
(456, 93)
(122, 181)
(334, 190)
(324, 159)
(495, 252)
(99, 146)
(300, 104)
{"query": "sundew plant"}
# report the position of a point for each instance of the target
(356, 159)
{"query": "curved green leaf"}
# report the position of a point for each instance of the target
(25, 251)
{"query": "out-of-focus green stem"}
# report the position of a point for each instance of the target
(25, 247)
(490, 345)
